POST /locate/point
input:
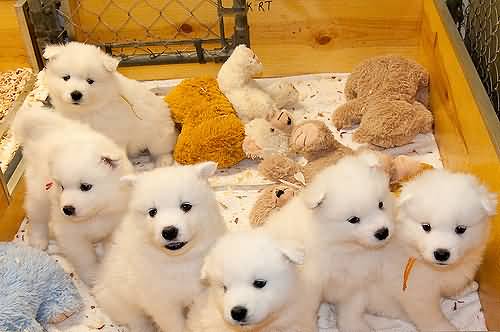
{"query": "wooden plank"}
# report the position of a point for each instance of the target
(12, 52)
(463, 135)
(12, 216)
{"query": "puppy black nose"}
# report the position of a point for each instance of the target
(442, 255)
(76, 95)
(170, 233)
(68, 210)
(239, 313)
(382, 233)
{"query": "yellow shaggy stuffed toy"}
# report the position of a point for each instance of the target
(210, 128)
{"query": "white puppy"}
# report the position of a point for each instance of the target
(248, 99)
(254, 285)
(443, 223)
(73, 178)
(343, 218)
(153, 267)
(84, 85)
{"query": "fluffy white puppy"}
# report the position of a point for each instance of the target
(84, 85)
(254, 285)
(343, 219)
(73, 179)
(443, 223)
(248, 99)
(153, 267)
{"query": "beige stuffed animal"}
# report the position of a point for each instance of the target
(388, 96)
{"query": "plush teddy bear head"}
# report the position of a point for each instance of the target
(270, 199)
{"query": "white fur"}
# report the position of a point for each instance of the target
(262, 138)
(443, 200)
(247, 97)
(121, 108)
(340, 255)
(236, 261)
(66, 154)
(140, 277)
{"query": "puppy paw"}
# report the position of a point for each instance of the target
(39, 242)
(57, 318)
(88, 277)
(164, 160)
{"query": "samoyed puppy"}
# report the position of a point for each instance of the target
(84, 85)
(73, 179)
(343, 218)
(443, 224)
(152, 270)
(254, 285)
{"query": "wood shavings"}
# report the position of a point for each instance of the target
(8, 148)
(406, 274)
(12, 84)
(300, 177)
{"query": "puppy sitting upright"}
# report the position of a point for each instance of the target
(73, 178)
(254, 285)
(84, 85)
(444, 225)
(153, 267)
(343, 218)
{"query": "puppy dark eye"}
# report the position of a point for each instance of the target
(66, 77)
(259, 283)
(186, 207)
(225, 288)
(152, 212)
(381, 205)
(272, 130)
(426, 227)
(289, 122)
(90, 81)
(85, 186)
(353, 220)
(460, 229)
(62, 187)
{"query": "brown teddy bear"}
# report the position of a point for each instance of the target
(388, 96)
(270, 200)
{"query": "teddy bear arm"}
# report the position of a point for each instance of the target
(349, 114)
(279, 167)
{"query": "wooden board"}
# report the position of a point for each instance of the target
(462, 131)
(12, 52)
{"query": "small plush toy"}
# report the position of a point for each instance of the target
(388, 96)
(34, 290)
(248, 99)
(210, 128)
(270, 200)
(268, 136)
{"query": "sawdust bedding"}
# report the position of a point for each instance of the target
(238, 187)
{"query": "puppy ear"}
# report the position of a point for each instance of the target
(129, 179)
(371, 159)
(293, 254)
(488, 201)
(313, 196)
(52, 51)
(110, 160)
(110, 63)
(206, 169)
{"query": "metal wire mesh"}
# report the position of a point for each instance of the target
(143, 31)
(479, 24)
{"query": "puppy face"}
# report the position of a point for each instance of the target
(175, 206)
(79, 75)
(445, 215)
(251, 277)
(87, 182)
(352, 202)
(246, 59)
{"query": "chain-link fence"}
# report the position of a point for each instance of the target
(144, 31)
(478, 22)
